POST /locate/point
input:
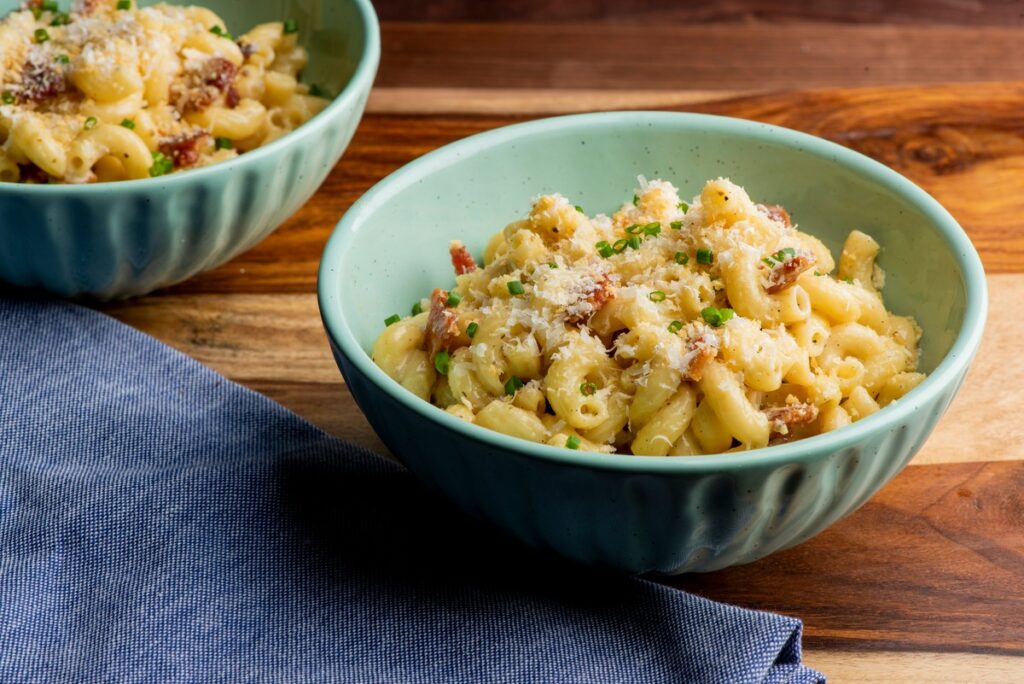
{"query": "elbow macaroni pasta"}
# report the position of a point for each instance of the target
(666, 329)
(109, 91)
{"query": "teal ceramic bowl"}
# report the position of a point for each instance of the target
(114, 240)
(647, 514)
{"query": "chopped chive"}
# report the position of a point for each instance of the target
(682, 258)
(224, 144)
(90, 123)
(553, 264)
(49, 5)
(124, 4)
(61, 19)
(818, 273)
(515, 287)
(684, 207)
(636, 200)
(782, 255)
(676, 225)
(573, 442)
(162, 165)
(656, 296)
(848, 281)
(63, 59)
(580, 209)
(391, 320)
(634, 229)
(716, 317)
(129, 124)
(453, 299)
(7, 97)
(604, 249)
(442, 362)
(634, 242)
(471, 329)
(222, 32)
(620, 245)
(588, 389)
(290, 26)
(769, 261)
(705, 256)
(41, 35)
(417, 309)
(652, 229)
(675, 326)
(513, 385)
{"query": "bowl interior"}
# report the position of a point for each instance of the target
(331, 31)
(394, 246)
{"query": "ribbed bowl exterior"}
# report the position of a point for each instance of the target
(667, 523)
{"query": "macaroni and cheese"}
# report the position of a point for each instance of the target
(108, 91)
(666, 329)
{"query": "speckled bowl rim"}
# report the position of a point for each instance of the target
(947, 374)
(358, 85)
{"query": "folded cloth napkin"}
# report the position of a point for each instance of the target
(159, 523)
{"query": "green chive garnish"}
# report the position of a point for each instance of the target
(41, 35)
(781, 255)
(588, 389)
(222, 32)
(391, 320)
(453, 299)
(684, 207)
(634, 229)
(553, 264)
(224, 144)
(716, 317)
(63, 59)
(580, 209)
(61, 19)
(90, 123)
(129, 124)
(705, 256)
(162, 165)
(442, 362)
(290, 26)
(471, 329)
(634, 242)
(573, 442)
(124, 4)
(604, 249)
(515, 287)
(676, 225)
(417, 309)
(682, 258)
(675, 326)
(636, 200)
(620, 245)
(848, 281)
(49, 5)
(513, 385)
(652, 229)
(656, 296)
(7, 97)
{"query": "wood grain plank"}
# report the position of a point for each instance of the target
(901, 667)
(962, 143)
(275, 344)
(681, 55)
(932, 562)
(991, 13)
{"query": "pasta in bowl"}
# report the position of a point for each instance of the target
(669, 328)
(650, 513)
(109, 91)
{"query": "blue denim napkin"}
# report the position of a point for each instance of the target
(159, 523)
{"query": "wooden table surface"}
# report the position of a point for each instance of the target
(926, 582)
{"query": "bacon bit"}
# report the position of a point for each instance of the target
(231, 97)
(783, 275)
(183, 149)
(41, 79)
(462, 260)
(592, 300)
(248, 49)
(701, 348)
(442, 324)
(776, 212)
(202, 86)
(782, 417)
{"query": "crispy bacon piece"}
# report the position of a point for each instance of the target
(591, 300)
(462, 260)
(248, 49)
(442, 324)
(701, 348)
(785, 274)
(231, 97)
(776, 212)
(782, 418)
(204, 85)
(183, 149)
(41, 78)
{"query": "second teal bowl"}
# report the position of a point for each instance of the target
(636, 513)
(115, 240)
